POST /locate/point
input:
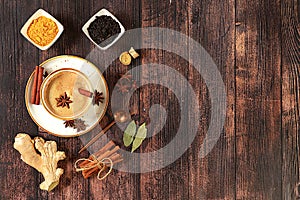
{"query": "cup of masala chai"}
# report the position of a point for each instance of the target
(42, 29)
(61, 96)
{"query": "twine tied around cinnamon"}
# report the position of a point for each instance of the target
(94, 163)
(106, 157)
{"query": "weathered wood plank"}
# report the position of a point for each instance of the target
(15, 68)
(212, 24)
(258, 119)
(172, 181)
(290, 97)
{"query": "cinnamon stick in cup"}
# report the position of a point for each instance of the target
(85, 92)
(35, 80)
(39, 83)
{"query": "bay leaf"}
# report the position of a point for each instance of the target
(139, 138)
(129, 133)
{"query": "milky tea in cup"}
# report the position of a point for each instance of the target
(67, 81)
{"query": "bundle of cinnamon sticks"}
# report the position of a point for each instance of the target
(96, 162)
(37, 82)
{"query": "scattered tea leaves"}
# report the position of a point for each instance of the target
(129, 133)
(139, 138)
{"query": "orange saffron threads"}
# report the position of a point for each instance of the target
(42, 31)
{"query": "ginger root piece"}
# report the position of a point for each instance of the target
(133, 53)
(46, 163)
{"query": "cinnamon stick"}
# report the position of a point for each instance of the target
(97, 137)
(116, 158)
(105, 148)
(116, 161)
(101, 151)
(86, 163)
(109, 150)
(34, 86)
(88, 173)
(85, 92)
(108, 153)
(39, 83)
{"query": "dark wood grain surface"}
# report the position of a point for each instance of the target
(255, 45)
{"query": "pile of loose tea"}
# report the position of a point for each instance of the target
(102, 28)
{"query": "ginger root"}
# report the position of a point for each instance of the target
(46, 163)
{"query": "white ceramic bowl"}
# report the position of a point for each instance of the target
(100, 13)
(39, 13)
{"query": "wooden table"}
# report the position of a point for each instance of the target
(255, 45)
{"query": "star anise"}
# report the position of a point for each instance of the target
(69, 123)
(126, 83)
(63, 101)
(123, 88)
(79, 125)
(98, 97)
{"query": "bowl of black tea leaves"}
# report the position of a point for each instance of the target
(103, 29)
